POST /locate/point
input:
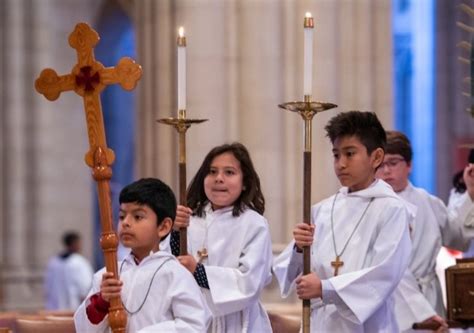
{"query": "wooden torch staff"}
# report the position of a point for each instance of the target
(88, 78)
(181, 124)
(307, 110)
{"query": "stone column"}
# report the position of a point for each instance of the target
(46, 186)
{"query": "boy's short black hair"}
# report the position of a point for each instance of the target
(364, 125)
(153, 193)
(398, 143)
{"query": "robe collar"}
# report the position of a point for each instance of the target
(209, 211)
(408, 189)
(380, 189)
(130, 258)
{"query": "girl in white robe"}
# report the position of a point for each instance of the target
(228, 240)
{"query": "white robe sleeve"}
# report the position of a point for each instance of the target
(287, 267)
(234, 289)
(411, 306)
(462, 208)
(452, 222)
(372, 285)
(81, 321)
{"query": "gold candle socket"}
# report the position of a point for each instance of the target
(181, 41)
(309, 22)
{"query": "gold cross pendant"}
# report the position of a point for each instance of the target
(202, 254)
(336, 264)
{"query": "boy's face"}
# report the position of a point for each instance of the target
(395, 171)
(138, 228)
(353, 166)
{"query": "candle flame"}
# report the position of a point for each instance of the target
(308, 15)
(181, 32)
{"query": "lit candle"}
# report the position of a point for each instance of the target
(181, 69)
(308, 54)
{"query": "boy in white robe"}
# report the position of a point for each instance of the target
(460, 192)
(433, 227)
(229, 241)
(158, 294)
(365, 225)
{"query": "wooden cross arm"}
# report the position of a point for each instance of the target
(51, 85)
(126, 73)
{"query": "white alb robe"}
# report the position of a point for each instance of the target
(411, 306)
(67, 282)
(174, 303)
(359, 299)
(238, 267)
(462, 205)
(434, 226)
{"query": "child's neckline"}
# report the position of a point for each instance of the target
(211, 210)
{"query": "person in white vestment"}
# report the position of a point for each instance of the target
(433, 227)
(229, 246)
(459, 192)
(158, 294)
(68, 276)
(359, 238)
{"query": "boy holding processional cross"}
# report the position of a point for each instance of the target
(158, 293)
(359, 237)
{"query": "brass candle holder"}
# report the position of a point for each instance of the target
(307, 109)
(181, 124)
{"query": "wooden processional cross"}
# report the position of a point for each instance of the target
(88, 78)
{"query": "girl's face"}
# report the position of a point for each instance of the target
(223, 184)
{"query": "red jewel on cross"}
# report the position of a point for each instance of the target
(86, 79)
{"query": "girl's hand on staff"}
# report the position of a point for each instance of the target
(189, 262)
(303, 234)
(183, 214)
(110, 287)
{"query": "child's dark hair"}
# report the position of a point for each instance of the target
(153, 193)
(70, 237)
(251, 195)
(458, 178)
(364, 125)
(398, 143)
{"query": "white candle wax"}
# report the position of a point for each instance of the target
(181, 70)
(308, 55)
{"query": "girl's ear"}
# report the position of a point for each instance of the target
(377, 157)
(165, 227)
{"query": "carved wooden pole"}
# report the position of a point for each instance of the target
(88, 78)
